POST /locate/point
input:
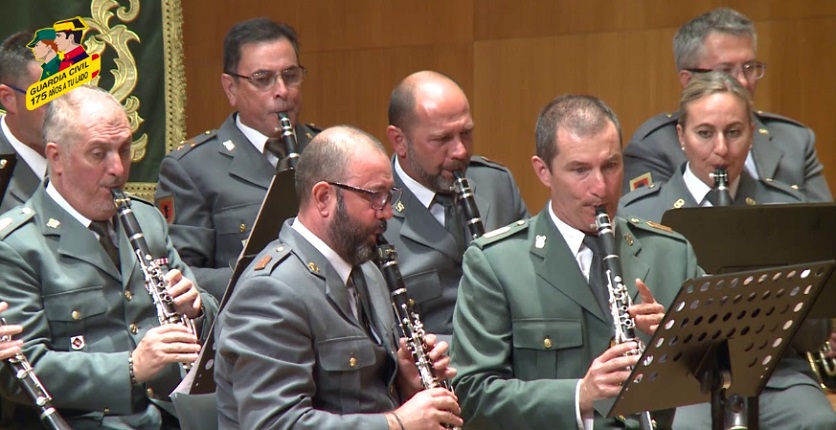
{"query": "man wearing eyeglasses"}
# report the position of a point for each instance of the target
(782, 149)
(431, 132)
(20, 128)
(307, 339)
(210, 189)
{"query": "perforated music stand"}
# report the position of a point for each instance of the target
(722, 335)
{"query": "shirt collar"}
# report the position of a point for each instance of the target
(572, 236)
(31, 157)
(422, 193)
(53, 192)
(341, 266)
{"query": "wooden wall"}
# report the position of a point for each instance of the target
(511, 57)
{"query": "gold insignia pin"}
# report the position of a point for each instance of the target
(399, 206)
(540, 241)
(679, 203)
(750, 201)
(229, 145)
(313, 267)
(308, 135)
(629, 239)
(658, 226)
(53, 223)
(3, 163)
(763, 131)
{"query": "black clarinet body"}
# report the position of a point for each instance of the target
(721, 184)
(291, 147)
(408, 320)
(33, 388)
(464, 197)
(154, 270)
(624, 326)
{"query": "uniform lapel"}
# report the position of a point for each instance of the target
(631, 266)
(247, 163)
(382, 315)
(766, 153)
(420, 226)
(555, 264)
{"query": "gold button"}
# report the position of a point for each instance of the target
(128, 295)
(106, 411)
(149, 392)
(547, 343)
(793, 186)
(352, 362)
(242, 228)
(133, 328)
(76, 315)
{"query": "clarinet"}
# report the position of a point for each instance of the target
(153, 269)
(289, 139)
(411, 326)
(30, 383)
(721, 184)
(464, 196)
(624, 324)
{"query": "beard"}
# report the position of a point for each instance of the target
(436, 182)
(350, 238)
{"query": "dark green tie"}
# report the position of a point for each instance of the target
(452, 220)
(358, 281)
(101, 229)
(596, 274)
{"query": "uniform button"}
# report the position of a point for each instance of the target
(149, 392)
(547, 343)
(242, 228)
(133, 328)
(106, 411)
(76, 315)
(352, 362)
(128, 295)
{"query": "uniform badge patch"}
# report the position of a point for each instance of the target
(229, 145)
(77, 342)
(540, 241)
(641, 181)
(53, 223)
(166, 206)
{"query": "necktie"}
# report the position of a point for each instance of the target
(713, 196)
(358, 281)
(101, 229)
(596, 274)
(275, 146)
(452, 220)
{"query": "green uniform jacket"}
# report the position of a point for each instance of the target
(527, 326)
(81, 317)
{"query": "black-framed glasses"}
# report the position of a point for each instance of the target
(265, 79)
(378, 199)
(752, 70)
(22, 91)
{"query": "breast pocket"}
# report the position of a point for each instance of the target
(345, 361)
(74, 313)
(233, 226)
(423, 287)
(547, 348)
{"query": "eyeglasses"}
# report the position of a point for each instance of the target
(378, 199)
(16, 88)
(753, 70)
(265, 79)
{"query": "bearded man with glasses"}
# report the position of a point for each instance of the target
(782, 149)
(210, 189)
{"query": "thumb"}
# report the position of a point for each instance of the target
(644, 292)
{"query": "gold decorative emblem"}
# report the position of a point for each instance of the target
(53, 223)
(629, 239)
(750, 201)
(678, 203)
(399, 206)
(763, 131)
(313, 267)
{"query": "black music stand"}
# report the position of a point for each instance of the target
(194, 398)
(737, 238)
(723, 335)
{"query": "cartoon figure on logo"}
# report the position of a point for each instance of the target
(45, 49)
(68, 34)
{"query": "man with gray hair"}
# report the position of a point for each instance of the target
(20, 128)
(782, 149)
(306, 340)
(72, 279)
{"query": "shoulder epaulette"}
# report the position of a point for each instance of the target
(503, 232)
(655, 123)
(269, 259)
(187, 145)
(769, 116)
(654, 227)
(640, 193)
(13, 219)
(485, 161)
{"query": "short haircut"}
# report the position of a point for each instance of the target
(62, 114)
(706, 84)
(689, 39)
(15, 57)
(254, 30)
(580, 114)
(327, 156)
